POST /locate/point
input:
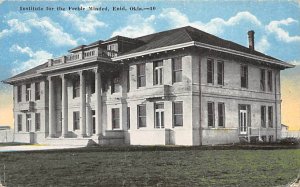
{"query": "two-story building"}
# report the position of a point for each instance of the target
(181, 86)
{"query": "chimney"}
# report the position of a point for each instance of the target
(251, 39)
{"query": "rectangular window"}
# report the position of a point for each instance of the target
(94, 121)
(141, 75)
(177, 69)
(128, 117)
(37, 122)
(263, 116)
(115, 84)
(210, 71)
(76, 120)
(211, 114)
(76, 88)
(19, 122)
(28, 92)
(262, 80)
(270, 81)
(177, 114)
(244, 76)
(159, 115)
(28, 122)
(115, 116)
(19, 90)
(37, 91)
(141, 115)
(270, 116)
(220, 69)
(221, 114)
(158, 72)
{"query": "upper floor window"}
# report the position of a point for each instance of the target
(28, 92)
(210, 114)
(141, 115)
(76, 88)
(270, 81)
(19, 90)
(37, 91)
(112, 50)
(221, 114)
(76, 120)
(177, 69)
(220, 70)
(210, 71)
(37, 122)
(115, 84)
(263, 116)
(177, 114)
(19, 122)
(158, 72)
(262, 80)
(115, 115)
(244, 76)
(141, 75)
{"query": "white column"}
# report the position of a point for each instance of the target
(52, 132)
(98, 111)
(82, 104)
(64, 106)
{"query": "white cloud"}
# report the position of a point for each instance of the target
(137, 26)
(214, 26)
(87, 24)
(295, 62)
(23, 23)
(36, 58)
(263, 45)
(281, 34)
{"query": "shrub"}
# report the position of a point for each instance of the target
(290, 141)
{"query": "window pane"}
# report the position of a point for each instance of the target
(220, 73)
(210, 114)
(262, 80)
(210, 71)
(178, 120)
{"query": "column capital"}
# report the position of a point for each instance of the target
(96, 70)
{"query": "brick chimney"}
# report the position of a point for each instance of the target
(251, 39)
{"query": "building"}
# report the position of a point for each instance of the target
(181, 86)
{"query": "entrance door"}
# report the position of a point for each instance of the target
(243, 121)
(159, 115)
(94, 121)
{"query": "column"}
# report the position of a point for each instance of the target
(98, 111)
(52, 132)
(64, 106)
(82, 104)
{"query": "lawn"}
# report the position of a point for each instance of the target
(151, 167)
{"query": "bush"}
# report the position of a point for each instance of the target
(290, 141)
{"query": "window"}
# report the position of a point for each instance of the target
(28, 122)
(128, 117)
(37, 122)
(141, 76)
(159, 115)
(115, 84)
(19, 90)
(177, 114)
(94, 121)
(263, 116)
(141, 115)
(177, 69)
(244, 76)
(270, 81)
(158, 72)
(76, 120)
(115, 115)
(93, 84)
(210, 114)
(128, 81)
(19, 122)
(270, 116)
(262, 80)
(220, 69)
(221, 115)
(37, 91)
(210, 71)
(76, 88)
(28, 92)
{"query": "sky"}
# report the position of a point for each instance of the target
(29, 36)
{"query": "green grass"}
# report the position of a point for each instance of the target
(151, 167)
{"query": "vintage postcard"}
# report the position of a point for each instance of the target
(150, 93)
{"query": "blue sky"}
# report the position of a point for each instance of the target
(28, 38)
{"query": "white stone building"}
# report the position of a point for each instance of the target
(181, 86)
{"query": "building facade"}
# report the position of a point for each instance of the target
(177, 87)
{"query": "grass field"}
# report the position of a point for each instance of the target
(151, 167)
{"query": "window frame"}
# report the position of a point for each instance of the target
(158, 72)
(141, 78)
(211, 115)
(220, 75)
(210, 66)
(28, 125)
(263, 116)
(160, 111)
(37, 121)
(76, 88)
(262, 79)
(115, 118)
(28, 92)
(140, 117)
(177, 114)
(19, 122)
(270, 116)
(115, 84)
(19, 93)
(244, 76)
(221, 114)
(270, 80)
(176, 71)
(37, 89)
(76, 121)
(128, 118)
